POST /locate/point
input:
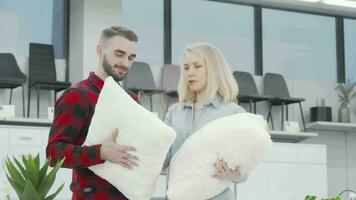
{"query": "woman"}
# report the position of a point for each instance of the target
(207, 91)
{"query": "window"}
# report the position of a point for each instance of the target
(299, 46)
(145, 17)
(350, 49)
(229, 27)
(23, 22)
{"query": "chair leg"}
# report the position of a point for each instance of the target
(301, 112)
(10, 96)
(28, 102)
(23, 101)
(282, 117)
(287, 113)
(139, 96)
(254, 107)
(167, 180)
(38, 100)
(161, 108)
(55, 97)
(151, 106)
(167, 105)
(250, 106)
(269, 115)
(164, 103)
(272, 119)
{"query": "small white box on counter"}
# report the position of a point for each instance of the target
(50, 113)
(7, 111)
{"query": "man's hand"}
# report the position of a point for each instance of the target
(224, 172)
(118, 153)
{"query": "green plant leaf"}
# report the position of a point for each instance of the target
(345, 91)
(15, 174)
(19, 165)
(46, 185)
(52, 196)
(31, 170)
(48, 180)
(353, 95)
(309, 197)
(29, 192)
(23, 159)
(18, 189)
(43, 171)
(25, 175)
(37, 161)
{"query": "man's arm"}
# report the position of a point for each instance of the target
(66, 135)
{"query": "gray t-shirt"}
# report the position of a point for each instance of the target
(180, 118)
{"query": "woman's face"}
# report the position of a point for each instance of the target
(195, 72)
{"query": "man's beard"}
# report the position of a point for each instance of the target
(110, 70)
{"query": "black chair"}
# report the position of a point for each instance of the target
(170, 79)
(42, 73)
(140, 81)
(275, 85)
(11, 76)
(248, 90)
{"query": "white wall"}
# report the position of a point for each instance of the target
(76, 40)
(88, 19)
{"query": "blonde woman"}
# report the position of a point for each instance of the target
(207, 91)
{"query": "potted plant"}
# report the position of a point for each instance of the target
(309, 197)
(29, 180)
(346, 94)
(338, 197)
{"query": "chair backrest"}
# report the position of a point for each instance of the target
(170, 77)
(9, 67)
(140, 76)
(41, 63)
(246, 83)
(275, 85)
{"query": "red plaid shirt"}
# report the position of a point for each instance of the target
(73, 113)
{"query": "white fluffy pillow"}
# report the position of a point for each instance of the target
(138, 128)
(240, 139)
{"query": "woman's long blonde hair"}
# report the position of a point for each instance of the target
(219, 76)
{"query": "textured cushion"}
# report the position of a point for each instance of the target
(138, 128)
(239, 139)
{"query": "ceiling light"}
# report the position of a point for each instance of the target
(312, 1)
(344, 3)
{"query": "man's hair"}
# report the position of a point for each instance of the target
(119, 31)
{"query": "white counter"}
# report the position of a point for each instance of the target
(291, 171)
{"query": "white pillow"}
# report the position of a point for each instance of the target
(138, 128)
(239, 139)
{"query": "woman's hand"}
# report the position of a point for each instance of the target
(224, 172)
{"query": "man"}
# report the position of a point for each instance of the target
(73, 113)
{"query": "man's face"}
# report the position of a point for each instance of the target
(118, 56)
